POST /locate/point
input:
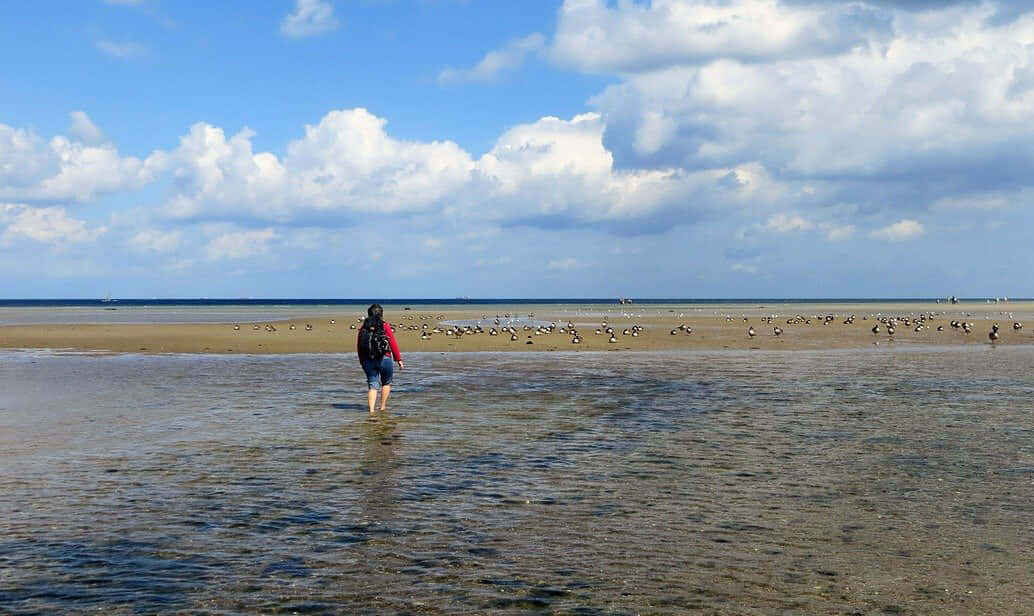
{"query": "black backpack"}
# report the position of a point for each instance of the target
(373, 342)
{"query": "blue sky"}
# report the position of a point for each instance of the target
(578, 148)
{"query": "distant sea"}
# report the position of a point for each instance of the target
(439, 301)
(225, 310)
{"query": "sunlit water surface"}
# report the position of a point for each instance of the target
(850, 482)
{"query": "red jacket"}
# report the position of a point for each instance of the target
(395, 353)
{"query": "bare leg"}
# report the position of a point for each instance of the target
(385, 392)
(371, 399)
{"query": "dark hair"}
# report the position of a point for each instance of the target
(375, 318)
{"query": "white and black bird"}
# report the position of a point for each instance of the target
(751, 332)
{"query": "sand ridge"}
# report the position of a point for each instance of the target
(470, 330)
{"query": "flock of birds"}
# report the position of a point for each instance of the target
(889, 325)
(499, 328)
(883, 324)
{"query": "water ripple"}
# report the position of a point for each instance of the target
(720, 482)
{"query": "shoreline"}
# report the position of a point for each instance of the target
(649, 330)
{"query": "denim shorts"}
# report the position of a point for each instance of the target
(378, 371)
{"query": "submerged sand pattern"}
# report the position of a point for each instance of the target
(878, 481)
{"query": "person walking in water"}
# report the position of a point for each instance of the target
(375, 341)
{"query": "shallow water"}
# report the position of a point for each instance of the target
(843, 482)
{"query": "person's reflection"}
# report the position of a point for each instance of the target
(378, 490)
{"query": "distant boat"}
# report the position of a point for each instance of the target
(624, 300)
(107, 299)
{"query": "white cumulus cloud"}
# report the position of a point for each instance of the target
(124, 50)
(784, 223)
(150, 240)
(83, 128)
(310, 17)
(891, 117)
(68, 170)
(561, 168)
(901, 230)
(346, 163)
(240, 244)
(45, 224)
(837, 233)
(508, 58)
(628, 37)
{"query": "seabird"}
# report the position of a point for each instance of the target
(1017, 326)
(751, 332)
(613, 339)
(778, 331)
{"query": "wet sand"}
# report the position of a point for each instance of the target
(874, 482)
(808, 327)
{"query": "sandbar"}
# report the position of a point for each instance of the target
(655, 328)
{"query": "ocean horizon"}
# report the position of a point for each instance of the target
(223, 310)
(486, 301)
